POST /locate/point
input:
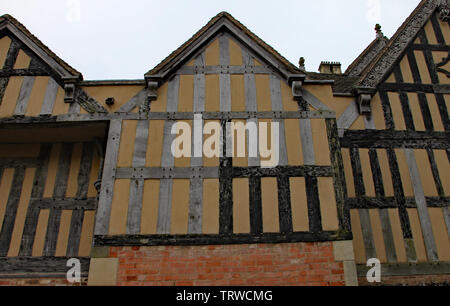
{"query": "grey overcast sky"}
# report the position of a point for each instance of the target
(117, 39)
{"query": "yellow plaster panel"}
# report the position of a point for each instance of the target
(435, 115)
(423, 68)
(299, 204)
(235, 54)
(397, 234)
(404, 173)
(41, 230)
(378, 113)
(320, 140)
(185, 162)
(289, 104)
(429, 32)
(119, 207)
(212, 54)
(21, 214)
(441, 236)
(348, 171)
(237, 93)
(63, 233)
(328, 208)
(155, 143)
(324, 93)
(212, 93)
(426, 175)
(87, 233)
(237, 137)
(121, 94)
(263, 93)
(241, 208)
(367, 172)
(391, 78)
(269, 197)
(406, 70)
(160, 104)
(397, 111)
(126, 148)
(60, 107)
(37, 96)
(186, 93)
(358, 124)
(417, 235)
(210, 215)
(191, 63)
(5, 188)
(10, 96)
(377, 235)
(445, 30)
(213, 161)
(443, 166)
(416, 112)
(180, 207)
(5, 42)
(340, 104)
(256, 62)
(293, 143)
(22, 60)
(150, 202)
(385, 172)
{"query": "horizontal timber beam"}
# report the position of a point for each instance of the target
(395, 139)
(161, 240)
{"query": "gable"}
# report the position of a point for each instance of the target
(34, 82)
(378, 70)
(413, 95)
(222, 23)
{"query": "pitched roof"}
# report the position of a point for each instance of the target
(8, 19)
(342, 83)
(215, 20)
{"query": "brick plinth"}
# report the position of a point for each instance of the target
(409, 280)
(227, 265)
(40, 282)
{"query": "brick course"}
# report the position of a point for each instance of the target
(412, 280)
(40, 282)
(229, 265)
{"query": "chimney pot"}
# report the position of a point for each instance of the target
(330, 67)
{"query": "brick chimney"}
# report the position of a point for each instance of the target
(330, 67)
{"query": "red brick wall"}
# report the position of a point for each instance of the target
(40, 282)
(263, 264)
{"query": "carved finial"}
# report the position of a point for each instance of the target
(378, 31)
(301, 63)
(444, 9)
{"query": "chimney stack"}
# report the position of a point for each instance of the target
(330, 67)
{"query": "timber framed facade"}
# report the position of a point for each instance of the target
(87, 171)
